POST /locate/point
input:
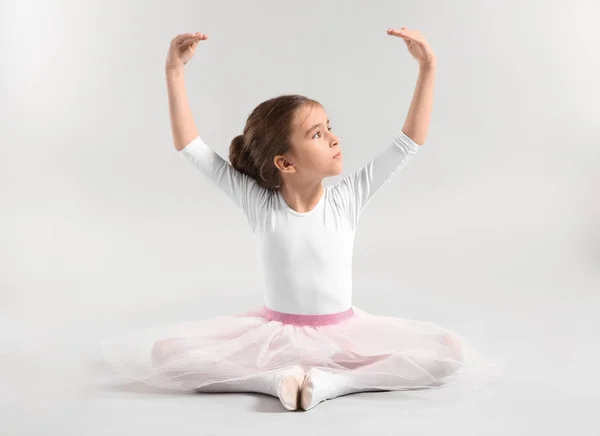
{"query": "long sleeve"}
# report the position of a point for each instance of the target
(357, 189)
(242, 189)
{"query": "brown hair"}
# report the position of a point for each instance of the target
(266, 135)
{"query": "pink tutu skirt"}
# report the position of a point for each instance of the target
(376, 352)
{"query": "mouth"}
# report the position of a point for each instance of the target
(337, 156)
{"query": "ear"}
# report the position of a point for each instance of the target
(283, 164)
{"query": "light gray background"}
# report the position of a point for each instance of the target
(493, 230)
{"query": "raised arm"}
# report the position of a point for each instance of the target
(419, 112)
(181, 50)
(358, 188)
(242, 189)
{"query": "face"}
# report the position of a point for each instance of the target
(313, 147)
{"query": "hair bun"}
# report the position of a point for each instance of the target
(267, 134)
(238, 142)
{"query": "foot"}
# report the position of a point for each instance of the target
(288, 388)
(308, 394)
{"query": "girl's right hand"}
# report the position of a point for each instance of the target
(182, 49)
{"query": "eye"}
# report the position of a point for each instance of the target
(318, 131)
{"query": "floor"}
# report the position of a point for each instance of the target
(545, 339)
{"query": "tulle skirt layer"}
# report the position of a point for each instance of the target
(375, 352)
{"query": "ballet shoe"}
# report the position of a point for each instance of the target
(307, 392)
(288, 387)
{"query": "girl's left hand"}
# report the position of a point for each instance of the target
(416, 44)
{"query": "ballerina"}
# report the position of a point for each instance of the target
(308, 343)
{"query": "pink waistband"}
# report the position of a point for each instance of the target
(306, 320)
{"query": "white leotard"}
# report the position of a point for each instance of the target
(306, 258)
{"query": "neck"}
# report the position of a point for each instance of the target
(302, 198)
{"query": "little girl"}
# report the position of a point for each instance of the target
(308, 343)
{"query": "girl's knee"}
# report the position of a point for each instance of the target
(450, 362)
(455, 345)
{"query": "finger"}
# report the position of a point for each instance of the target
(181, 37)
(185, 38)
(413, 35)
(187, 41)
(410, 36)
(398, 33)
(193, 39)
